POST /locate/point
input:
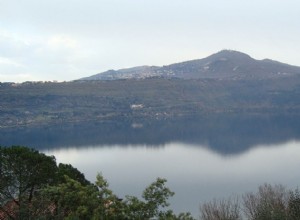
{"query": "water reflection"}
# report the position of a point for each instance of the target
(223, 133)
(194, 172)
(202, 156)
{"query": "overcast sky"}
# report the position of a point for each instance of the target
(69, 39)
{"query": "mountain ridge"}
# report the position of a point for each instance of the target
(225, 64)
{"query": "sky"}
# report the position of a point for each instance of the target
(68, 39)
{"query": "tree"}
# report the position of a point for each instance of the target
(221, 210)
(169, 215)
(294, 205)
(109, 205)
(23, 173)
(155, 197)
(71, 200)
(32, 186)
(269, 203)
(72, 172)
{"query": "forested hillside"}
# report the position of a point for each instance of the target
(159, 98)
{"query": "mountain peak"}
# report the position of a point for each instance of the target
(230, 54)
(225, 64)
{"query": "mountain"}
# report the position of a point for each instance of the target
(135, 72)
(225, 82)
(226, 64)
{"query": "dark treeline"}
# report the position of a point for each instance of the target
(36, 103)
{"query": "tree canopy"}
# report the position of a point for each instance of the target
(23, 173)
(33, 186)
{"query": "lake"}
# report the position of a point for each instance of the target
(202, 157)
(195, 173)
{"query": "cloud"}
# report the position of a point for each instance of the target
(44, 57)
(17, 77)
(70, 39)
(12, 44)
(9, 62)
(61, 41)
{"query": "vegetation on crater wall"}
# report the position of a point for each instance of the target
(39, 103)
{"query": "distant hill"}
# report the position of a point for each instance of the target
(226, 64)
(227, 82)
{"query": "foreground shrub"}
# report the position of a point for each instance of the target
(221, 210)
(270, 202)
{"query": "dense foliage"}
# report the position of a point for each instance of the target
(32, 186)
(23, 173)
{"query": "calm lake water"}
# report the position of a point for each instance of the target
(195, 173)
(202, 157)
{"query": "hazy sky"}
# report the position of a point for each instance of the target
(70, 39)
